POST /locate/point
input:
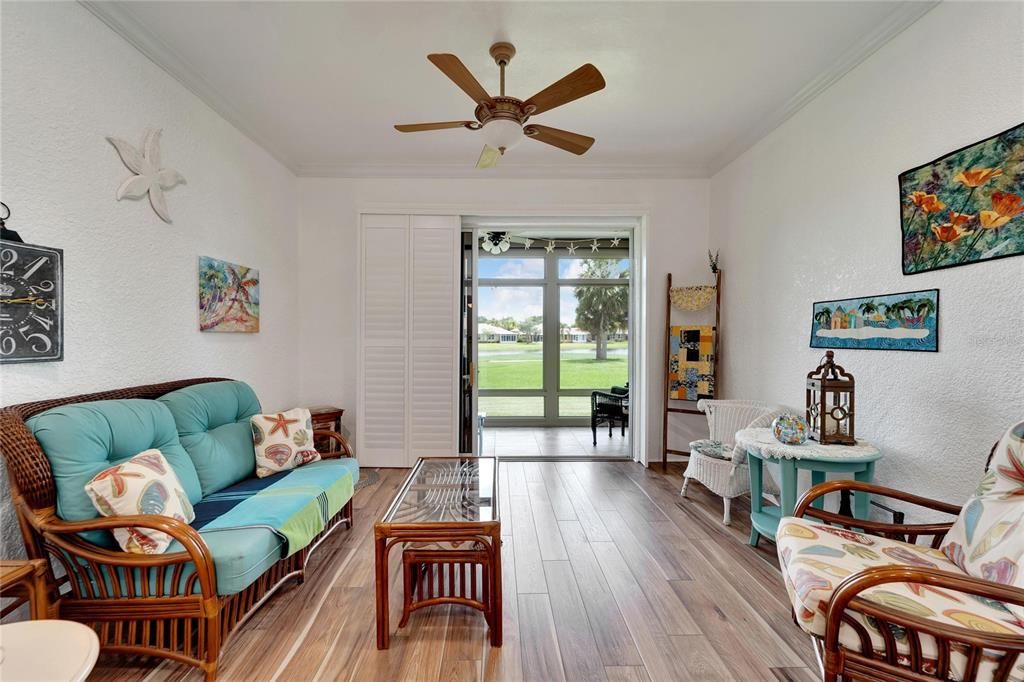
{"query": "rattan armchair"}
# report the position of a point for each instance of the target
(163, 605)
(906, 637)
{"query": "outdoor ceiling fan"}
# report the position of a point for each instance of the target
(502, 119)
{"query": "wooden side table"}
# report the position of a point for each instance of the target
(760, 446)
(25, 581)
(326, 418)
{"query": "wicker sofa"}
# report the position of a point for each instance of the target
(175, 605)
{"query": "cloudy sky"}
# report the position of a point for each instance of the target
(527, 301)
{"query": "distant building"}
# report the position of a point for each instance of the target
(488, 333)
(575, 335)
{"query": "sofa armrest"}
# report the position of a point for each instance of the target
(847, 596)
(195, 549)
(338, 438)
(908, 532)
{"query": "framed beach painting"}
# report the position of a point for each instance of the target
(903, 321)
(229, 297)
(965, 207)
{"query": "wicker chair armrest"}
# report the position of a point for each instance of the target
(804, 508)
(339, 439)
(196, 549)
(848, 591)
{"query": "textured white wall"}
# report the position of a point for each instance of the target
(129, 278)
(812, 213)
(677, 212)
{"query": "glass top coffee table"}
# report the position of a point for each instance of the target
(445, 517)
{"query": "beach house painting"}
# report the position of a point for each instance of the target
(903, 321)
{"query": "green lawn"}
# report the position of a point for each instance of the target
(520, 365)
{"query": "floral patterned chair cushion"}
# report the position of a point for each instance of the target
(711, 448)
(987, 540)
(816, 557)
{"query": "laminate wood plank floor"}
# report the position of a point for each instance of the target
(608, 575)
(554, 441)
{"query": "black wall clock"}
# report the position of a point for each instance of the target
(31, 303)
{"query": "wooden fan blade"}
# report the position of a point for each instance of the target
(442, 125)
(453, 67)
(563, 139)
(584, 81)
(488, 157)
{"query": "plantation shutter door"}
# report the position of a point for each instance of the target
(408, 339)
(434, 337)
(381, 433)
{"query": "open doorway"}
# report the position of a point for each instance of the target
(552, 314)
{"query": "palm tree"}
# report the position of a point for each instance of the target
(923, 307)
(823, 317)
(601, 309)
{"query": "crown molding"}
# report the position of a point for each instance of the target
(532, 171)
(120, 21)
(898, 21)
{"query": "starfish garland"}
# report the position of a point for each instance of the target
(593, 247)
(550, 248)
(526, 244)
(571, 248)
(615, 242)
(149, 177)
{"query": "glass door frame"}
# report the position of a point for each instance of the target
(551, 285)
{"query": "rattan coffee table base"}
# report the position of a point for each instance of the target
(452, 576)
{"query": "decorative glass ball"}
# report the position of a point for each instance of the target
(790, 429)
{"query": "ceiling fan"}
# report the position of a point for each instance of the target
(502, 120)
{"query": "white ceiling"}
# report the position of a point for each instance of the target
(690, 85)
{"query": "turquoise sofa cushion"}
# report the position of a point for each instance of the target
(83, 439)
(242, 553)
(213, 426)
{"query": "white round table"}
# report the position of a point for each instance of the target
(47, 651)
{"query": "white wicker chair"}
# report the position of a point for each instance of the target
(714, 463)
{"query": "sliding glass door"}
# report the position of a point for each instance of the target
(551, 328)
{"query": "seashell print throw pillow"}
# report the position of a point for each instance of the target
(987, 540)
(283, 441)
(144, 484)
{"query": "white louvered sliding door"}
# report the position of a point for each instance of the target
(408, 333)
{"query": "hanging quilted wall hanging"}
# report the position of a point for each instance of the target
(691, 362)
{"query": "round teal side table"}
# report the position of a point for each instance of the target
(761, 446)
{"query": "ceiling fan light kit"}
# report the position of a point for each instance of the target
(503, 119)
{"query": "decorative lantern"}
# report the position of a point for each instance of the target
(830, 403)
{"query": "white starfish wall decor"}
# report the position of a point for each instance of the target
(149, 177)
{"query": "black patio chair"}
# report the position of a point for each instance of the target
(611, 408)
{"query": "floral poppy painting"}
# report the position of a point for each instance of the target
(965, 207)
(229, 297)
